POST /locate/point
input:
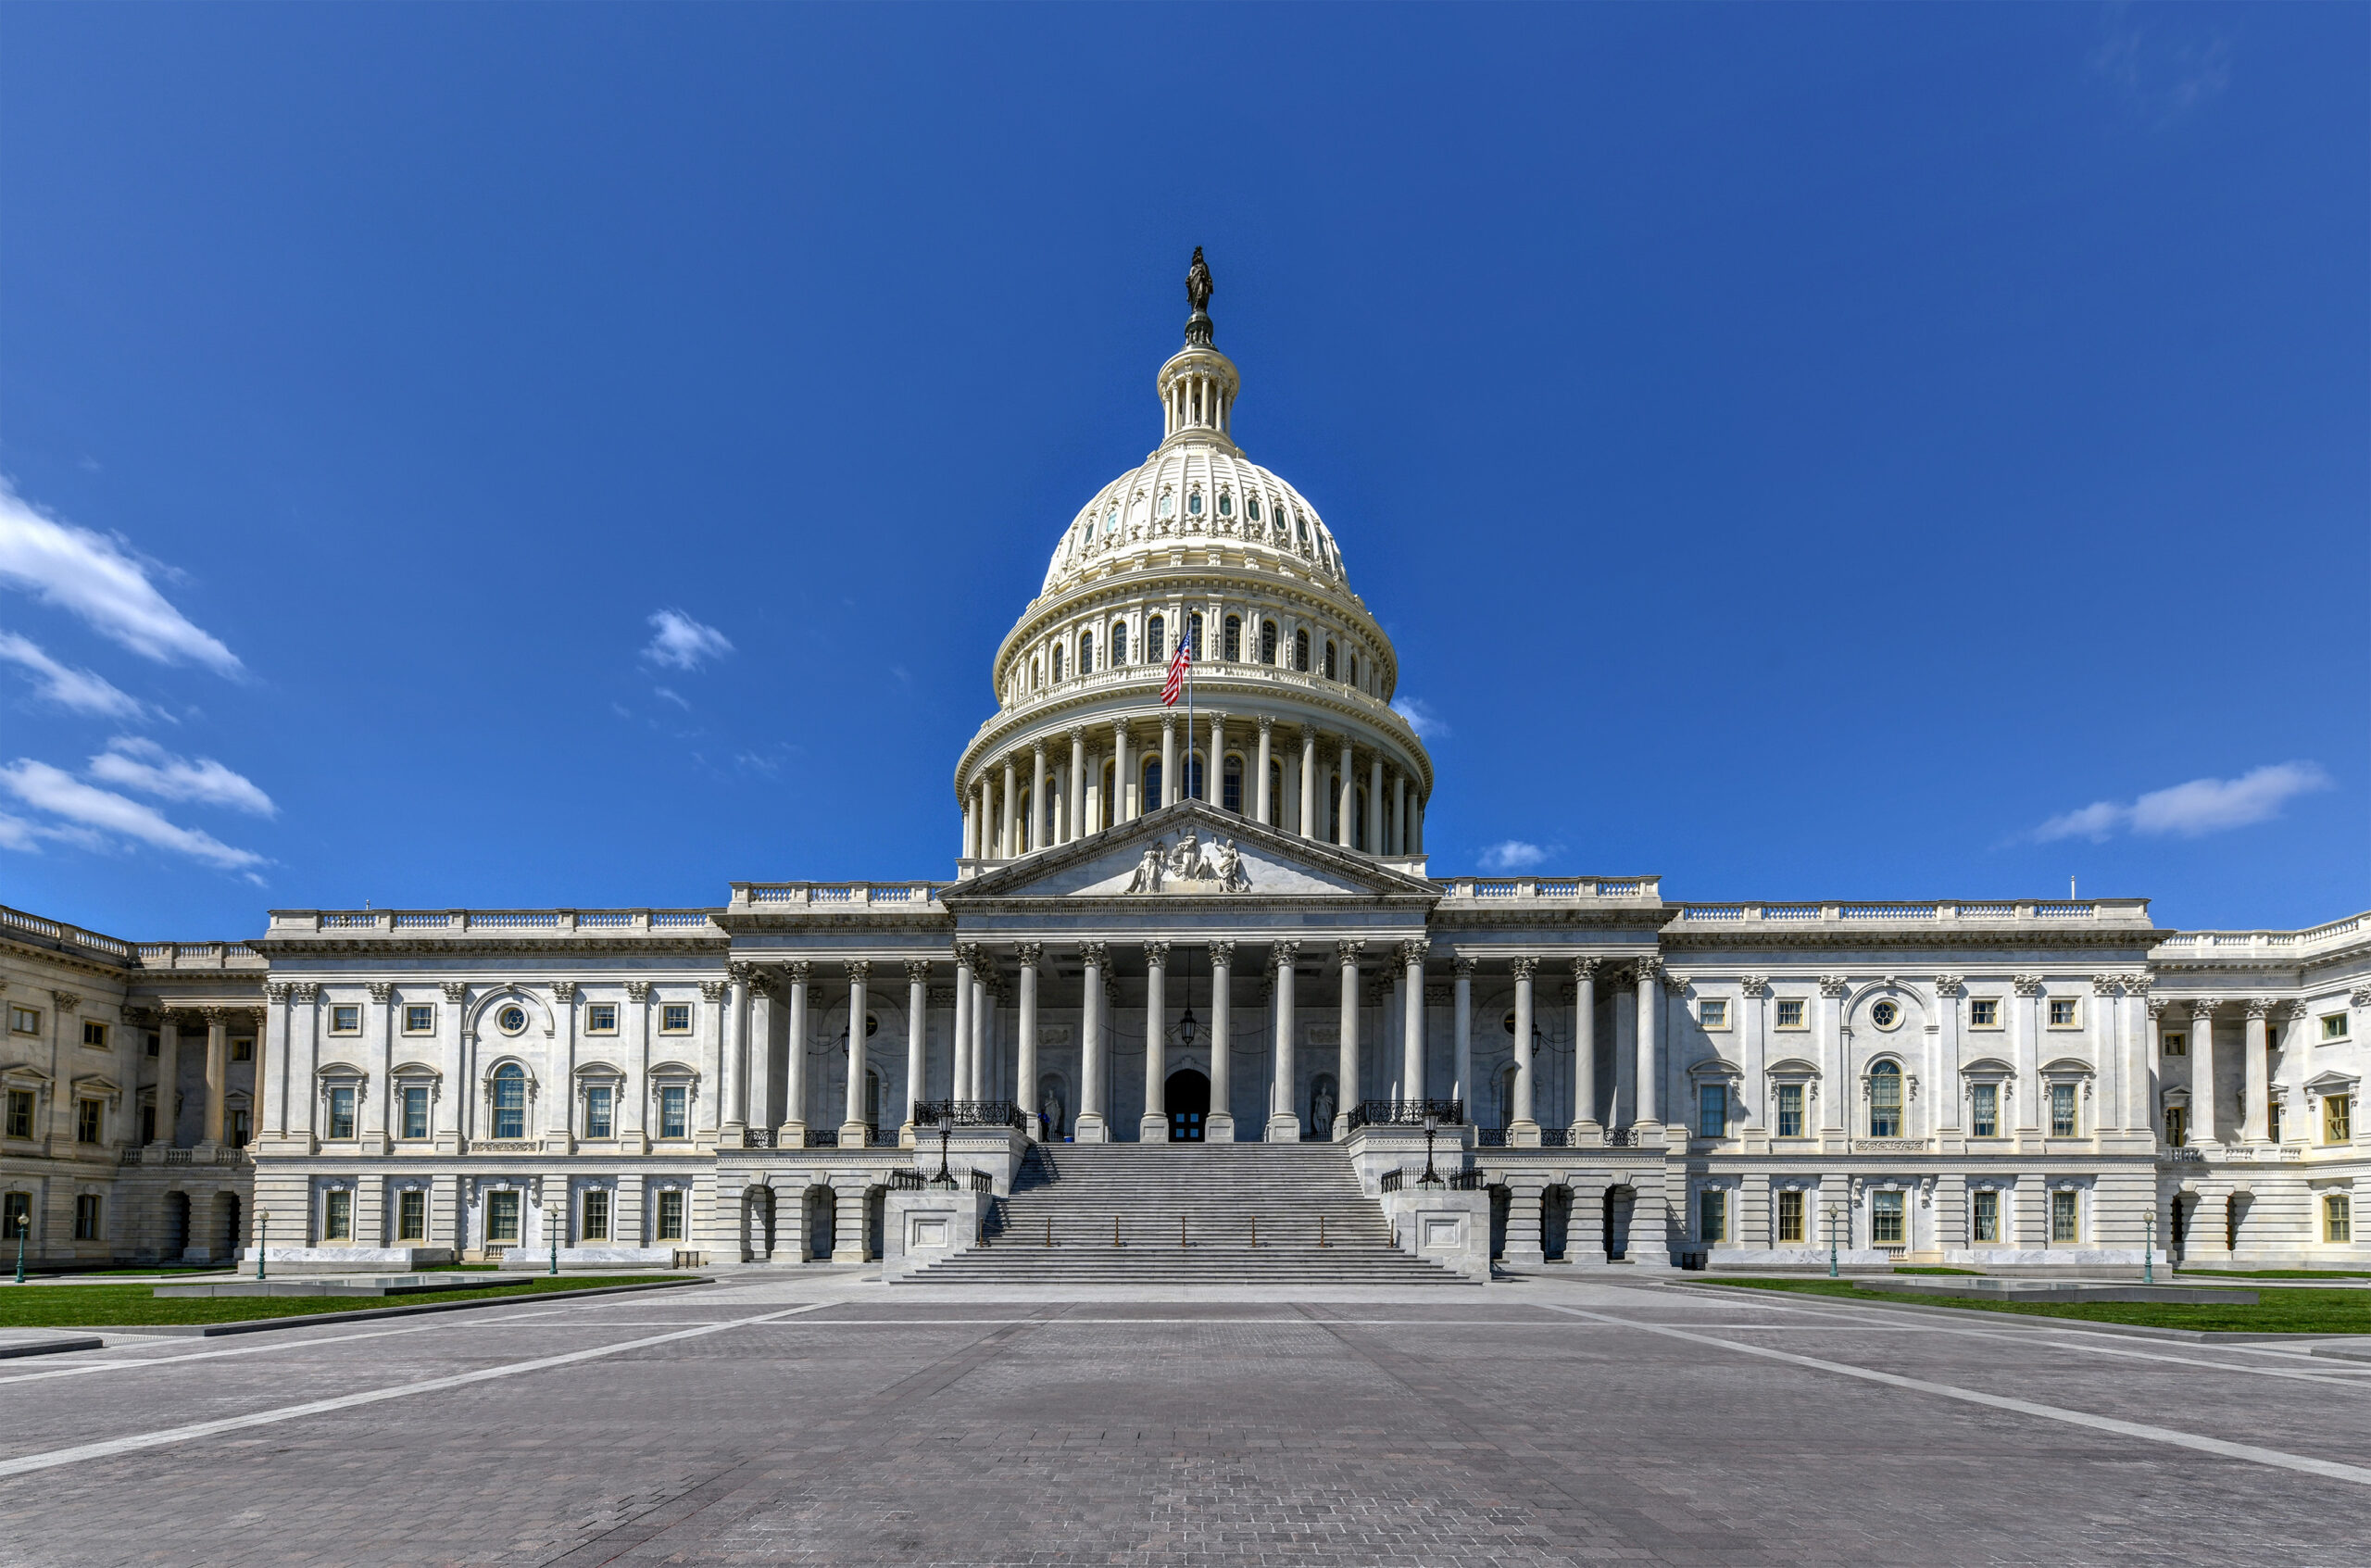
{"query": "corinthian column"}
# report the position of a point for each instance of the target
(1650, 1080)
(917, 1042)
(1218, 1125)
(1035, 837)
(793, 1132)
(1411, 1022)
(1153, 1126)
(1088, 1124)
(1077, 825)
(1522, 1128)
(2203, 1125)
(1025, 1091)
(1584, 1045)
(959, 1066)
(1266, 812)
(1346, 1076)
(2257, 1064)
(854, 1130)
(1284, 1115)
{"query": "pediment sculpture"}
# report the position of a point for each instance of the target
(1190, 866)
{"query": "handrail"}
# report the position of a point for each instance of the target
(1405, 1113)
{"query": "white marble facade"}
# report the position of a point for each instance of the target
(1220, 925)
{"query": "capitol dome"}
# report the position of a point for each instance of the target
(1293, 677)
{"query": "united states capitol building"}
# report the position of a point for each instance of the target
(1194, 952)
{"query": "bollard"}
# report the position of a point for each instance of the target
(1050, 1230)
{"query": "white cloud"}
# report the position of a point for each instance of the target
(92, 576)
(1427, 724)
(678, 642)
(1513, 855)
(2192, 810)
(2161, 78)
(52, 790)
(671, 696)
(18, 833)
(77, 689)
(137, 763)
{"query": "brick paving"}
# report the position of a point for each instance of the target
(1206, 1427)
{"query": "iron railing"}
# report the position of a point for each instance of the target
(1466, 1181)
(905, 1181)
(1555, 1137)
(1392, 1180)
(1490, 1137)
(933, 1114)
(1406, 1112)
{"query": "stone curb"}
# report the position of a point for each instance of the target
(314, 1320)
(49, 1347)
(2190, 1336)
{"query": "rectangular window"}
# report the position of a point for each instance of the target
(341, 1111)
(346, 1017)
(2338, 1218)
(86, 1216)
(242, 1049)
(16, 1215)
(2333, 1027)
(2061, 1110)
(415, 1102)
(1790, 1012)
(601, 1018)
(1711, 1110)
(502, 1219)
(1984, 1110)
(2065, 1215)
(87, 1121)
(595, 1226)
(411, 1216)
(20, 1113)
(1984, 1220)
(674, 1119)
(2272, 1120)
(236, 1128)
(24, 1020)
(94, 1033)
(1712, 1216)
(156, 1042)
(675, 1018)
(1984, 1012)
(2062, 1013)
(147, 1124)
(2338, 1119)
(337, 1216)
(597, 1111)
(2177, 1126)
(1791, 1111)
(419, 1018)
(1886, 1219)
(1790, 1214)
(670, 1214)
(1713, 1013)
(2175, 1042)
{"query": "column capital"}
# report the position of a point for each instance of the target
(1347, 953)
(1947, 986)
(2138, 984)
(563, 991)
(712, 990)
(1283, 956)
(1834, 985)
(2105, 984)
(1586, 967)
(216, 1018)
(380, 990)
(276, 990)
(1523, 968)
(1038, 750)
(1095, 953)
(918, 971)
(740, 970)
(636, 991)
(860, 971)
(1266, 722)
(67, 1000)
(2026, 984)
(2156, 1005)
(1028, 955)
(2202, 1008)
(800, 970)
(1222, 953)
(1644, 970)
(967, 955)
(2360, 997)
(310, 990)
(1168, 726)
(1077, 734)
(1412, 951)
(1675, 984)
(1157, 954)
(2259, 1006)
(1464, 964)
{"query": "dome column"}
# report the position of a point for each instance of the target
(1076, 827)
(1169, 777)
(1123, 785)
(1039, 815)
(1266, 815)
(1308, 782)
(1347, 800)
(1400, 810)
(1375, 803)
(1153, 1126)
(1008, 847)
(1214, 766)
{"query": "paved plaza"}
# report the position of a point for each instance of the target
(827, 1419)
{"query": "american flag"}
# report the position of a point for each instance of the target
(1179, 663)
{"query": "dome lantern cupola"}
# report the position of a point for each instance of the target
(1199, 386)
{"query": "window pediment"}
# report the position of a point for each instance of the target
(2332, 1083)
(1989, 1070)
(2067, 1067)
(1791, 1067)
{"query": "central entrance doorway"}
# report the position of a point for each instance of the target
(1187, 1095)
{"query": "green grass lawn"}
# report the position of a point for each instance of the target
(1925, 1269)
(73, 1306)
(2278, 1274)
(2278, 1310)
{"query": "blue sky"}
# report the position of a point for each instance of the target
(490, 456)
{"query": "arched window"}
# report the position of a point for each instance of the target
(1194, 776)
(1251, 507)
(1358, 823)
(1023, 824)
(1329, 658)
(1226, 504)
(1112, 519)
(1148, 799)
(1333, 809)
(1194, 633)
(1230, 782)
(1085, 652)
(510, 1101)
(1194, 503)
(1267, 642)
(1301, 652)
(1058, 661)
(1167, 500)
(1036, 675)
(1885, 1100)
(1301, 527)
(1118, 644)
(1156, 640)
(1275, 786)
(1108, 807)
(1231, 648)
(1354, 668)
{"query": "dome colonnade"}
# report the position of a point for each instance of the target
(1292, 725)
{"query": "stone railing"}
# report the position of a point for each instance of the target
(1583, 889)
(2278, 945)
(917, 897)
(407, 924)
(2020, 911)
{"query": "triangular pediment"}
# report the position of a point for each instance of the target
(1192, 851)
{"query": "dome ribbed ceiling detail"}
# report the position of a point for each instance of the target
(1157, 504)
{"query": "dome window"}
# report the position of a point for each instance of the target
(1301, 527)
(1156, 640)
(1226, 504)
(1119, 643)
(1231, 648)
(1085, 652)
(1058, 662)
(1194, 503)
(1267, 642)
(1251, 507)
(1194, 633)
(1301, 652)
(1112, 519)
(1168, 501)
(1329, 659)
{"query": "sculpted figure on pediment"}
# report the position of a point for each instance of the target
(1149, 869)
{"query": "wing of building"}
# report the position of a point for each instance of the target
(1193, 964)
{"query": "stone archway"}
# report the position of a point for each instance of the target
(1556, 1224)
(823, 1221)
(1619, 1201)
(1187, 1093)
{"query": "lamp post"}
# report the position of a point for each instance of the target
(1431, 1178)
(263, 1237)
(946, 1122)
(554, 1231)
(1833, 1212)
(2149, 1246)
(20, 1248)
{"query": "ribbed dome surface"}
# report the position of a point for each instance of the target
(1157, 503)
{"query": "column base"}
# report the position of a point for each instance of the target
(1219, 1127)
(853, 1135)
(1151, 1128)
(1522, 1135)
(906, 1136)
(791, 1134)
(1033, 1127)
(733, 1134)
(1284, 1127)
(1089, 1128)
